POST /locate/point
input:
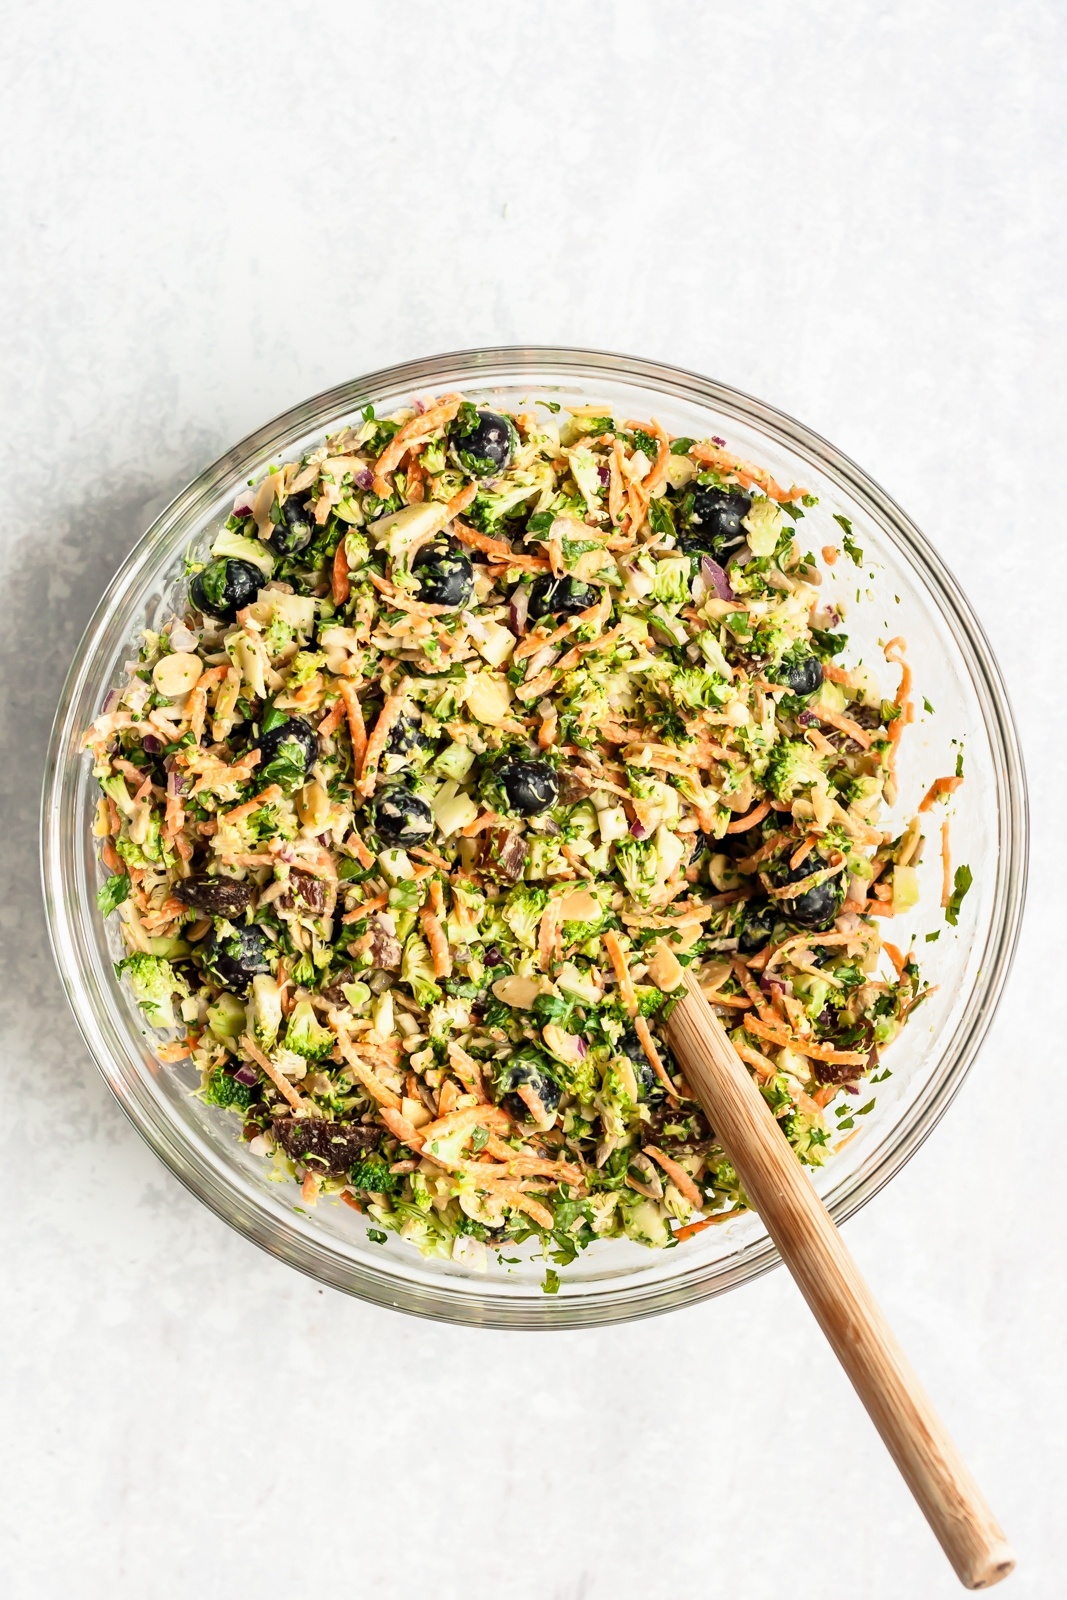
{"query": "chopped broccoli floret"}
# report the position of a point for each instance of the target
(522, 912)
(154, 983)
(671, 583)
(306, 1036)
(222, 1089)
(416, 968)
(372, 1174)
(793, 765)
(637, 864)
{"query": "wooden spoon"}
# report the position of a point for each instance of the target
(816, 1255)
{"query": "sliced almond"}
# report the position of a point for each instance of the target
(664, 969)
(489, 699)
(177, 673)
(518, 991)
(579, 906)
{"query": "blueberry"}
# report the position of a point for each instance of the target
(220, 897)
(817, 907)
(698, 843)
(406, 739)
(649, 1084)
(289, 751)
(757, 924)
(482, 442)
(225, 586)
(710, 519)
(530, 786)
(526, 1073)
(401, 818)
(801, 674)
(296, 529)
(444, 572)
(237, 958)
(554, 597)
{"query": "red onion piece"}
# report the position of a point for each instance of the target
(175, 782)
(720, 442)
(246, 1074)
(604, 474)
(581, 1048)
(716, 578)
(520, 603)
(111, 700)
(808, 718)
(242, 506)
(151, 744)
(639, 831)
(364, 479)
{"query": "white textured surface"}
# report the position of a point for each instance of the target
(213, 210)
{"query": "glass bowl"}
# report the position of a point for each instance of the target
(912, 594)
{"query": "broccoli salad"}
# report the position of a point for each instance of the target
(474, 728)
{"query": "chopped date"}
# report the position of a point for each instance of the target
(503, 854)
(325, 1146)
(334, 991)
(380, 946)
(219, 897)
(573, 787)
(303, 892)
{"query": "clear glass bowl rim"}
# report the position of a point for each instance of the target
(208, 1177)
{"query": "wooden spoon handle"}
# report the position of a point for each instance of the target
(816, 1255)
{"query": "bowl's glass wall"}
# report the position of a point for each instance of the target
(910, 594)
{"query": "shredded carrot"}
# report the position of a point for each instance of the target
(616, 497)
(617, 957)
(438, 943)
(803, 851)
(332, 720)
(467, 1071)
(372, 753)
(350, 1200)
(433, 858)
(340, 583)
(939, 787)
(548, 932)
(837, 719)
(481, 541)
(678, 1176)
(524, 564)
(757, 814)
(829, 554)
(894, 955)
(196, 705)
(265, 797)
(353, 1055)
(488, 819)
(709, 1222)
(648, 1044)
(744, 471)
(357, 730)
(752, 990)
(495, 1118)
(417, 427)
(946, 865)
(363, 855)
(301, 1106)
(765, 1068)
(309, 1189)
(459, 502)
(803, 1047)
(400, 1127)
(365, 910)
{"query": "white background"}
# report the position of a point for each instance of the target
(209, 211)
